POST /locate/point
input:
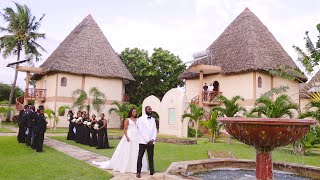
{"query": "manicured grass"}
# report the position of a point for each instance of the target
(20, 162)
(5, 130)
(166, 153)
(9, 123)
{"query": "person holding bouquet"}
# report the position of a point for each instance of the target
(71, 134)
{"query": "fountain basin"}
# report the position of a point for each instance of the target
(265, 134)
(185, 169)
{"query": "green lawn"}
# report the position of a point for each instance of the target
(5, 130)
(20, 162)
(166, 153)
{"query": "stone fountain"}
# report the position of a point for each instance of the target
(265, 134)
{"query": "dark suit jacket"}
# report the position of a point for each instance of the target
(30, 118)
(21, 114)
(40, 125)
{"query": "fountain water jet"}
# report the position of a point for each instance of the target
(265, 134)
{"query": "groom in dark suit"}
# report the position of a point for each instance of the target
(147, 136)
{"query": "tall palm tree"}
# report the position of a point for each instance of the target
(279, 108)
(230, 108)
(122, 109)
(95, 98)
(20, 34)
(196, 113)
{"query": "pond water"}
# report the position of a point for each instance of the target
(240, 174)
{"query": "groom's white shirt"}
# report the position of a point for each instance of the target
(147, 129)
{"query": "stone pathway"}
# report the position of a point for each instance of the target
(86, 156)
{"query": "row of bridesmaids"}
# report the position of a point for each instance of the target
(88, 131)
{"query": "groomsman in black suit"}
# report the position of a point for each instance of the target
(30, 119)
(40, 127)
(22, 126)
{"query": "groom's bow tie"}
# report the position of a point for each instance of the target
(149, 117)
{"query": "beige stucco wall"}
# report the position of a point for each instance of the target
(243, 84)
(113, 88)
(266, 84)
(73, 82)
(175, 100)
(229, 85)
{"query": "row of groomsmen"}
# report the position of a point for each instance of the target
(32, 126)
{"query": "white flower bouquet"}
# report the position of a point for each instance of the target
(89, 123)
(74, 120)
(96, 126)
(46, 115)
(80, 118)
(85, 122)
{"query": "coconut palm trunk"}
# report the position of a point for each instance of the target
(13, 86)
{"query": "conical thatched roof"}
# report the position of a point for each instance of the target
(245, 45)
(86, 51)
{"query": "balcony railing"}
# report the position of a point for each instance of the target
(125, 98)
(35, 94)
(208, 97)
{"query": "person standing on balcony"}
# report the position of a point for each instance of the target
(205, 92)
(22, 126)
(210, 89)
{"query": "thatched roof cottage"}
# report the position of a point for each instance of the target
(245, 51)
(85, 59)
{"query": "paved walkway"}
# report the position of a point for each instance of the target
(86, 156)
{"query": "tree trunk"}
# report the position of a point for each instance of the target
(197, 122)
(13, 87)
(229, 139)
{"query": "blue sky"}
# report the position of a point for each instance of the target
(181, 26)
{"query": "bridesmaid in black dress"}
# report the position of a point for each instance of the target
(71, 134)
(82, 127)
(101, 131)
(78, 127)
(94, 131)
(86, 130)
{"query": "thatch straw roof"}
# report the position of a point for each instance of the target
(86, 51)
(245, 45)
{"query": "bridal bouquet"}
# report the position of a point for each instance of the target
(96, 126)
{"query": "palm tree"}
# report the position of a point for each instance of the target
(21, 34)
(62, 110)
(213, 125)
(313, 110)
(229, 108)
(196, 113)
(96, 98)
(122, 110)
(80, 97)
(279, 108)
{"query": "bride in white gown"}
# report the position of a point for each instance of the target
(124, 158)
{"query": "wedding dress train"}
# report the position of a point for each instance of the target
(124, 158)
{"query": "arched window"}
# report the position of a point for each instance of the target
(259, 82)
(63, 81)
